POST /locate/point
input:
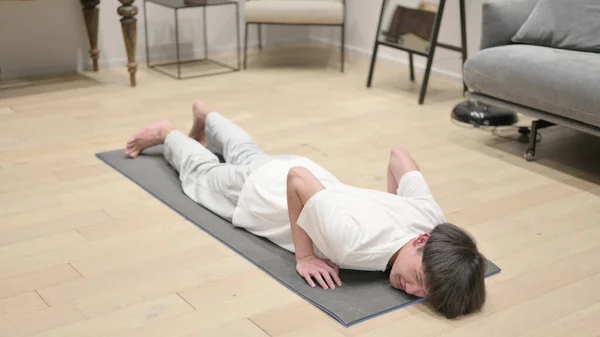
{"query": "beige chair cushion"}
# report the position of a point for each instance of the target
(295, 11)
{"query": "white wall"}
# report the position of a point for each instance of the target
(361, 25)
(49, 36)
(37, 36)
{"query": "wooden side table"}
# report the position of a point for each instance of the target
(176, 6)
(128, 24)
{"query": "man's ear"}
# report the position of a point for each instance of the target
(421, 240)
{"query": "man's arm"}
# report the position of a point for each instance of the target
(301, 186)
(400, 163)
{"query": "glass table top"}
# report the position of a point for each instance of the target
(191, 3)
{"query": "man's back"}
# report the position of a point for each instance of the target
(262, 206)
(355, 227)
(361, 229)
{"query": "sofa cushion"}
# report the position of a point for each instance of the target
(572, 24)
(558, 81)
(295, 11)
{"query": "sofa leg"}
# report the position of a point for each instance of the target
(535, 127)
(530, 154)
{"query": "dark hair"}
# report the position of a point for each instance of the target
(454, 271)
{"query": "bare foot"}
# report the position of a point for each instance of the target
(153, 135)
(200, 111)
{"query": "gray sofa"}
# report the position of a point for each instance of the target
(554, 86)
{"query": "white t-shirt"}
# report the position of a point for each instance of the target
(355, 228)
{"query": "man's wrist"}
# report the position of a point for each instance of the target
(303, 257)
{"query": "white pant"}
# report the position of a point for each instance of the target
(214, 185)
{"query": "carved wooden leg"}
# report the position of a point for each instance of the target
(90, 14)
(129, 26)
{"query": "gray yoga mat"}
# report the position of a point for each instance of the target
(363, 295)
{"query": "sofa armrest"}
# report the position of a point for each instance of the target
(502, 19)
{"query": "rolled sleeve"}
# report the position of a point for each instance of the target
(328, 225)
(413, 185)
(311, 207)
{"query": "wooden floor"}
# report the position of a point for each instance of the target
(85, 252)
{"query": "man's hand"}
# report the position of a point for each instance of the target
(324, 271)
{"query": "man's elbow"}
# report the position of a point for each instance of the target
(401, 161)
(301, 181)
(296, 174)
(399, 153)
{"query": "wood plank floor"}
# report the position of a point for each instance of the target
(85, 252)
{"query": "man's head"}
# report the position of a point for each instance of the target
(446, 267)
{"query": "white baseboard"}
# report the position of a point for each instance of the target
(196, 52)
(403, 61)
(121, 61)
(168, 57)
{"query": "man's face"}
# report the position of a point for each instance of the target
(407, 272)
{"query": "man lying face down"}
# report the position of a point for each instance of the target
(304, 209)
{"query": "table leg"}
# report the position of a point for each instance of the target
(90, 14)
(129, 26)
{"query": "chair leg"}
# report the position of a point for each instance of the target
(260, 47)
(343, 46)
(246, 46)
(411, 64)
